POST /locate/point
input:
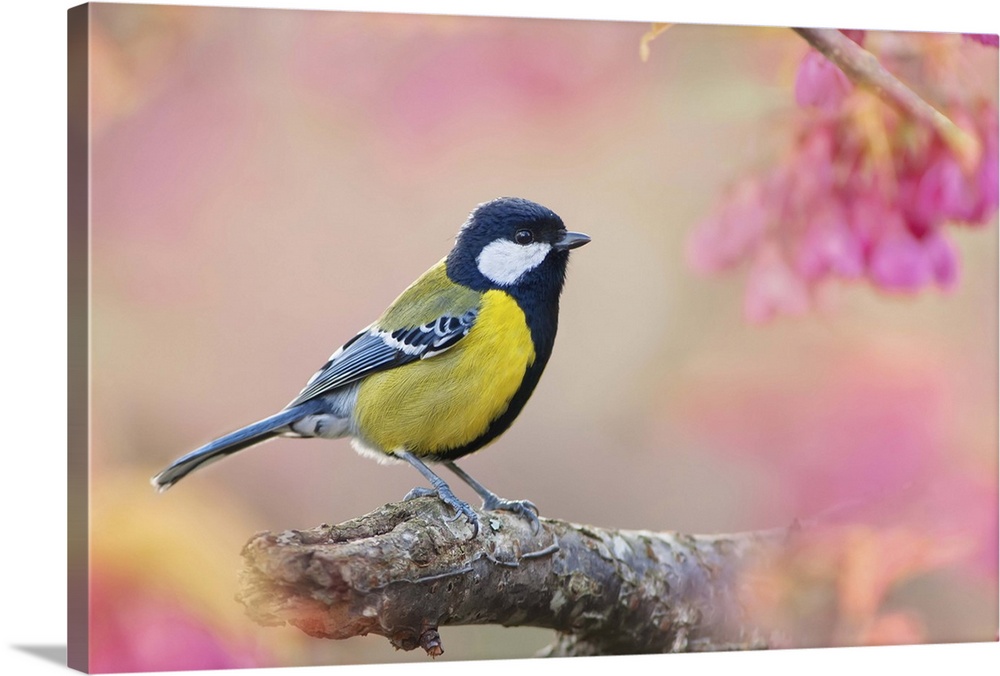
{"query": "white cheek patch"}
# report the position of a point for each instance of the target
(503, 262)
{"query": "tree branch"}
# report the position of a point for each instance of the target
(864, 70)
(404, 570)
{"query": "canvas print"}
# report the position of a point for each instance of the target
(401, 336)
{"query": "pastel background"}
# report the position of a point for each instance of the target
(264, 182)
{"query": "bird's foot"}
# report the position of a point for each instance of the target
(523, 508)
(447, 497)
(420, 492)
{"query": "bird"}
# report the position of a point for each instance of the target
(446, 368)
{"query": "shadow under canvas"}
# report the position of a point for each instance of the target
(50, 653)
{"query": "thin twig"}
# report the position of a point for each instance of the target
(865, 70)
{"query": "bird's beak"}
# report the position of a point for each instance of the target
(571, 240)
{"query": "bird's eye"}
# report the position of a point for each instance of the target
(523, 237)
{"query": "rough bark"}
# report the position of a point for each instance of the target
(404, 570)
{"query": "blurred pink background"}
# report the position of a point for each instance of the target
(265, 182)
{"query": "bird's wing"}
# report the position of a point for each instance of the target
(427, 319)
(376, 350)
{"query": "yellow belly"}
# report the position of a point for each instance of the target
(449, 400)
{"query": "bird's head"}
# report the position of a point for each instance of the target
(512, 242)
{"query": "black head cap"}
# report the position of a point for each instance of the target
(506, 241)
(503, 216)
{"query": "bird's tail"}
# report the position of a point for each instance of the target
(258, 432)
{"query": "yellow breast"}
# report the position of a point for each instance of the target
(449, 400)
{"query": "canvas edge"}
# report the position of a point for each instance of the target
(78, 337)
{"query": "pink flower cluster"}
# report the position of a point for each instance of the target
(855, 199)
(993, 40)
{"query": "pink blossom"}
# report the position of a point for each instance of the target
(983, 38)
(870, 214)
(943, 260)
(773, 288)
(811, 169)
(830, 246)
(854, 34)
(820, 84)
(858, 197)
(899, 263)
(937, 188)
(943, 192)
(988, 175)
(902, 262)
(725, 237)
(135, 627)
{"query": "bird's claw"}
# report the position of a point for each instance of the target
(420, 492)
(523, 508)
(447, 497)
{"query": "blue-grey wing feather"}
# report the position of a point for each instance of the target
(375, 350)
